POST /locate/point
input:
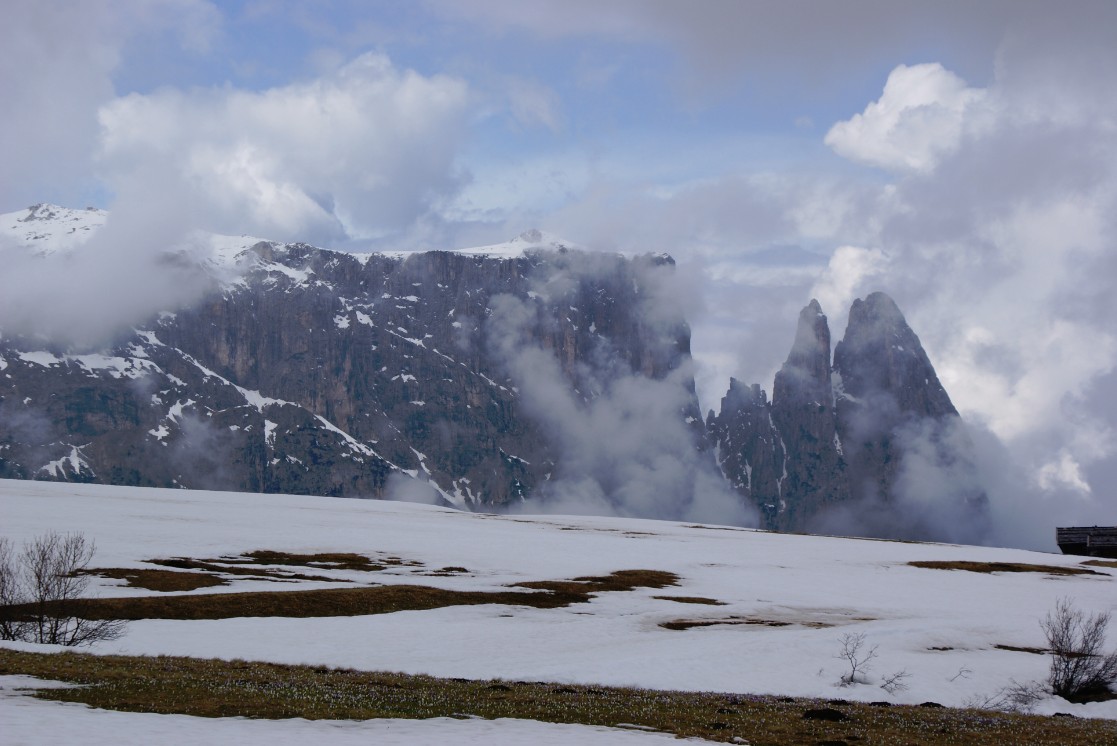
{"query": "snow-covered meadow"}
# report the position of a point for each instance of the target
(786, 600)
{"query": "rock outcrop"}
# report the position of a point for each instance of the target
(320, 372)
(870, 445)
(461, 377)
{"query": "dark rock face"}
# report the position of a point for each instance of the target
(319, 372)
(886, 382)
(872, 446)
(749, 449)
(803, 413)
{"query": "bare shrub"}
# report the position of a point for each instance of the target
(897, 682)
(1016, 697)
(10, 592)
(963, 673)
(859, 659)
(42, 590)
(1080, 667)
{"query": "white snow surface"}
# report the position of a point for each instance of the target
(49, 228)
(530, 240)
(941, 627)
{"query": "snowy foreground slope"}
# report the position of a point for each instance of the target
(800, 593)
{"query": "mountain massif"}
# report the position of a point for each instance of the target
(478, 379)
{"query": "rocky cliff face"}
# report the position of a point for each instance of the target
(871, 444)
(478, 380)
(320, 372)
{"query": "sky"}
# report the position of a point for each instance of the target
(960, 156)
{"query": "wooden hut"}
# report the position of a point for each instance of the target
(1092, 541)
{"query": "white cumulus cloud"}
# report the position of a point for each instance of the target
(921, 116)
(846, 276)
(366, 150)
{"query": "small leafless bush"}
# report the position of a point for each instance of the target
(10, 628)
(1079, 664)
(897, 682)
(859, 659)
(1016, 697)
(41, 590)
(963, 673)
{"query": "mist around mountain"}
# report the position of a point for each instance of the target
(528, 376)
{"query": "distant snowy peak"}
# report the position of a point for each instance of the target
(529, 240)
(48, 228)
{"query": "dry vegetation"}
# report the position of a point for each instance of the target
(1101, 563)
(237, 688)
(990, 567)
(1019, 649)
(164, 581)
(324, 561)
(684, 624)
(691, 600)
(385, 599)
(216, 568)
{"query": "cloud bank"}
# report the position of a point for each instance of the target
(364, 151)
(623, 445)
(996, 235)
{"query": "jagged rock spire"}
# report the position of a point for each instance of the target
(805, 376)
(908, 454)
(880, 354)
(887, 456)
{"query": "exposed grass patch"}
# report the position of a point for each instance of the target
(1101, 563)
(447, 572)
(325, 561)
(238, 688)
(159, 580)
(691, 600)
(1018, 649)
(990, 567)
(684, 624)
(262, 564)
(385, 599)
(217, 567)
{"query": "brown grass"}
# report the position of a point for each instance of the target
(1101, 563)
(1017, 649)
(684, 624)
(989, 567)
(446, 572)
(159, 580)
(324, 561)
(691, 600)
(261, 564)
(240, 570)
(385, 599)
(238, 688)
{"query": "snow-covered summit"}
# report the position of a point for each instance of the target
(529, 240)
(48, 228)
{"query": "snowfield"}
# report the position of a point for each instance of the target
(799, 595)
